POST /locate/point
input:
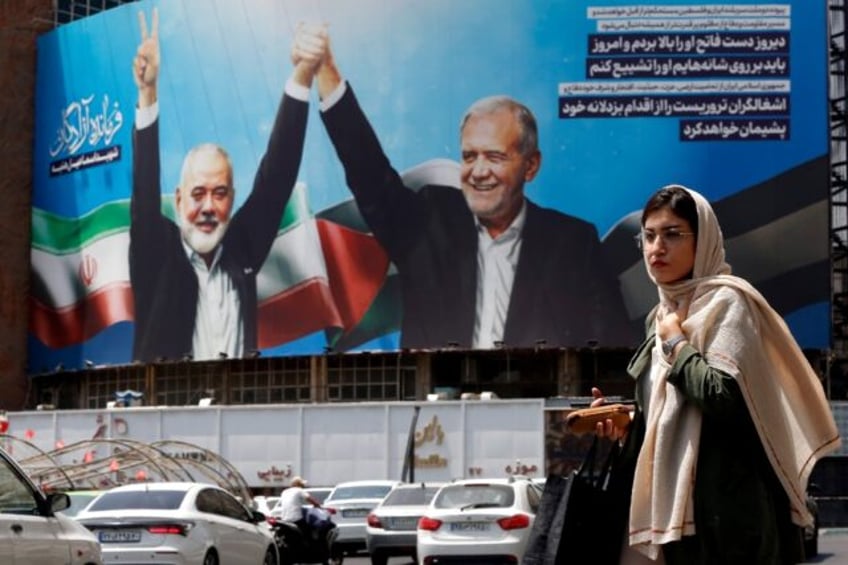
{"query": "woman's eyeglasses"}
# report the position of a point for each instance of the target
(670, 237)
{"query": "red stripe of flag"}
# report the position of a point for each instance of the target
(356, 267)
(299, 310)
(78, 322)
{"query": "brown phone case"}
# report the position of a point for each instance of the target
(584, 420)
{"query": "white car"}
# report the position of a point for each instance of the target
(178, 523)
(31, 528)
(265, 504)
(79, 500)
(391, 529)
(319, 493)
(479, 520)
(349, 505)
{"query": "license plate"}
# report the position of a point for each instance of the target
(120, 536)
(403, 523)
(470, 526)
(354, 513)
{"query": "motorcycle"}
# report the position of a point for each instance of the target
(314, 544)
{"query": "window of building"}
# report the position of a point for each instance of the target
(104, 383)
(71, 10)
(272, 380)
(516, 374)
(507, 373)
(369, 376)
(186, 383)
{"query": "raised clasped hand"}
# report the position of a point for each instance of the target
(311, 44)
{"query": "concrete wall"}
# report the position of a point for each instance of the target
(327, 443)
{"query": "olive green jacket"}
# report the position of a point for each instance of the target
(741, 511)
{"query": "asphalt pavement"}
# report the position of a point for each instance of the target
(833, 547)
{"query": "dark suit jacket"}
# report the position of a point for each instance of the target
(163, 281)
(563, 292)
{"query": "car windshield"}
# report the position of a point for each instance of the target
(266, 503)
(409, 496)
(475, 496)
(139, 500)
(370, 491)
(320, 494)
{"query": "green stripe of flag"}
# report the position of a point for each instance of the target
(62, 235)
(382, 317)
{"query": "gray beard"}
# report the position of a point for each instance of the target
(200, 242)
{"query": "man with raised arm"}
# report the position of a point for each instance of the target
(194, 282)
(481, 266)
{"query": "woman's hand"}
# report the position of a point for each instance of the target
(607, 428)
(669, 322)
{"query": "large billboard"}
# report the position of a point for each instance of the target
(140, 253)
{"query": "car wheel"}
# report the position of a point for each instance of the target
(270, 557)
(211, 558)
(337, 560)
(378, 558)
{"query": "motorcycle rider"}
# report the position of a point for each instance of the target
(292, 502)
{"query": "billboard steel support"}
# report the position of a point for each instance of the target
(69, 10)
(838, 179)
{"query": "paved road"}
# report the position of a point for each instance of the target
(833, 546)
(833, 550)
(366, 561)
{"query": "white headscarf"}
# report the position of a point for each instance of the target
(734, 328)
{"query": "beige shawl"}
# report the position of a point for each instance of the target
(736, 330)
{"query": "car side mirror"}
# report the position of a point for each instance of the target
(257, 517)
(58, 501)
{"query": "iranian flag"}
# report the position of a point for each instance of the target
(80, 274)
(325, 271)
(318, 275)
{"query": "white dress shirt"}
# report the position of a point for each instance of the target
(218, 325)
(497, 260)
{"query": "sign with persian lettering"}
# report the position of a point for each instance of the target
(321, 236)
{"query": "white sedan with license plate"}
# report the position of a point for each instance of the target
(391, 530)
(478, 521)
(349, 505)
(173, 523)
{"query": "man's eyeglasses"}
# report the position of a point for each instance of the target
(671, 237)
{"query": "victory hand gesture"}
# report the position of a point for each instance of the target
(146, 61)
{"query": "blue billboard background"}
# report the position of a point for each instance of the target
(416, 66)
